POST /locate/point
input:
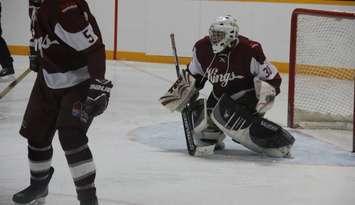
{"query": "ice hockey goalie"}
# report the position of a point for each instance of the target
(245, 85)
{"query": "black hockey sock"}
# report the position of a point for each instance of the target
(83, 171)
(40, 157)
(80, 161)
(88, 195)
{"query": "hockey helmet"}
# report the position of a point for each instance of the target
(223, 32)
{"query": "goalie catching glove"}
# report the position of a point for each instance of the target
(97, 99)
(180, 93)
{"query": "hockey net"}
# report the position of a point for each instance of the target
(322, 70)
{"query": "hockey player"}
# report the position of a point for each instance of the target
(5, 57)
(244, 83)
(68, 55)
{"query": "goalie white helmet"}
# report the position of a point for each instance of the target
(223, 32)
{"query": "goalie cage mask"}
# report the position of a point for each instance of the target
(223, 32)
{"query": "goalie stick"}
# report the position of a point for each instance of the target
(14, 83)
(186, 112)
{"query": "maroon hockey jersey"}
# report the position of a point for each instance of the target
(69, 42)
(233, 70)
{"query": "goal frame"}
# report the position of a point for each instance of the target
(292, 59)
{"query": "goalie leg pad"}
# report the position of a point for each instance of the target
(268, 134)
(230, 115)
(251, 131)
(275, 141)
(234, 120)
(205, 132)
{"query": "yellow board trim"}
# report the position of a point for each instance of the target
(326, 71)
(347, 74)
(19, 50)
(326, 2)
(141, 57)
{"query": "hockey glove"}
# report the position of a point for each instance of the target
(266, 95)
(180, 93)
(97, 99)
(34, 58)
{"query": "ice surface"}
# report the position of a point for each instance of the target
(141, 159)
(307, 149)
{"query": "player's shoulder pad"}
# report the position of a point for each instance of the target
(72, 17)
(254, 48)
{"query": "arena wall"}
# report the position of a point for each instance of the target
(144, 25)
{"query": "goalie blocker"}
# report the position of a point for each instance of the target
(255, 133)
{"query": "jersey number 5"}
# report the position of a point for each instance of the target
(89, 35)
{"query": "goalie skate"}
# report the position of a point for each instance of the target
(203, 151)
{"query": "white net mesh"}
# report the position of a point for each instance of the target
(324, 73)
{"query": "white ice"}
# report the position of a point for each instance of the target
(141, 159)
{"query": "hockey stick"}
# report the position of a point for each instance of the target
(185, 113)
(14, 83)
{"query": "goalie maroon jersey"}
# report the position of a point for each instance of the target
(233, 70)
(68, 39)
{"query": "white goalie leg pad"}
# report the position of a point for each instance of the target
(204, 127)
(255, 133)
(206, 135)
(180, 93)
(243, 137)
(276, 141)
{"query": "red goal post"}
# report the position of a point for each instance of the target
(322, 70)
